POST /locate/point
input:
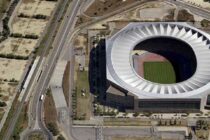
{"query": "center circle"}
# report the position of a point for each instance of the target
(164, 60)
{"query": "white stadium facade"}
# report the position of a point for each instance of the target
(128, 90)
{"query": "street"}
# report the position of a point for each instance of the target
(62, 41)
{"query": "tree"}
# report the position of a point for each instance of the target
(60, 137)
(136, 114)
(2, 104)
(53, 128)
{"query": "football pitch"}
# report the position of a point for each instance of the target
(159, 72)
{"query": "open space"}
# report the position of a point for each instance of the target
(29, 26)
(83, 95)
(22, 122)
(35, 7)
(125, 122)
(7, 92)
(159, 72)
(131, 138)
(36, 136)
(18, 46)
(3, 6)
(11, 69)
(66, 82)
(99, 8)
(141, 138)
(49, 109)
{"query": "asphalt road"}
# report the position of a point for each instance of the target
(90, 133)
(58, 14)
(52, 60)
(46, 80)
(20, 105)
(194, 9)
(58, 46)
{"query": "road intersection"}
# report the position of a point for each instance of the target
(62, 41)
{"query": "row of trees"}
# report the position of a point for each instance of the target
(11, 56)
(28, 36)
(206, 0)
(6, 31)
(38, 16)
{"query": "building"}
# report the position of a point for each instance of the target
(186, 47)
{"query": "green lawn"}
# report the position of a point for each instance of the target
(83, 101)
(159, 72)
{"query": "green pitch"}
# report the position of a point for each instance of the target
(159, 72)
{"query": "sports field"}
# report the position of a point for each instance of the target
(159, 72)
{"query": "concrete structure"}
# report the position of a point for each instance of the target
(142, 95)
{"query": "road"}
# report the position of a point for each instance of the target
(51, 62)
(47, 70)
(13, 121)
(194, 9)
(89, 133)
(46, 80)
(59, 43)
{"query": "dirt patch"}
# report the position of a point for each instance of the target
(131, 138)
(12, 69)
(29, 26)
(35, 7)
(184, 15)
(18, 46)
(3, 7)
(22, 122)
(99, 8)
(28, 1)
(50, 114)
(66, 83)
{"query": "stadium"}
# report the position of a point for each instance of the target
(158, 67)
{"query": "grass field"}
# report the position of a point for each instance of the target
(159, 72)
(125, 122)
(83, 102)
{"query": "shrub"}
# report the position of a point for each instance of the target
(136, 114)
(22, 15)
(39, 16)
(16, 35)
(31, 36)
(53, 128)
(60, 137)
(2, 104)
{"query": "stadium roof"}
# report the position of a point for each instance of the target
(120, 68)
